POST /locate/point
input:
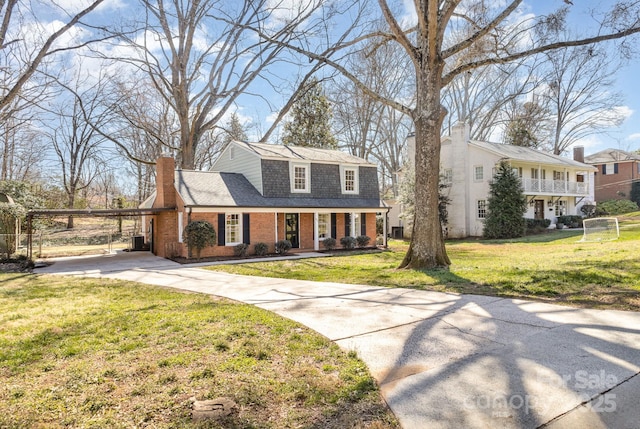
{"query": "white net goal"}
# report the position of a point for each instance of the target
(601, 229)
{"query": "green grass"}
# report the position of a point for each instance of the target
(552, 267)
(101, 353)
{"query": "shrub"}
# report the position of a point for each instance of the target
(535, 226)
(379, 240)
(329, 243)
(572, 221)
(261, 249)
(348, 242)
(283, 246)
(240, 250)
(199, 234)
(362, 240)
(616, 207)
(588, 210)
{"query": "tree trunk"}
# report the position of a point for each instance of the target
(427, 249)
(70, 204)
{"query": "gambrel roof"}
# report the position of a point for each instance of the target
(300, 153)
(216, 189)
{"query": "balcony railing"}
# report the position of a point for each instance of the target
(558, 187)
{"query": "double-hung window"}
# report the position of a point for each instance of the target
(300, 177)
(349, 179)
(482, 209)
(478, 173)
(324, 225)
(233, 229)
(447, 176)
(610, 168)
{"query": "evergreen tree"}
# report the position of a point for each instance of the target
(635, 192)
(311, 122)
(407, 199)
(506, 205)
(527, 126)
(234, 130)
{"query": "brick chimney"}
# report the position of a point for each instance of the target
(578, 153)
(165, 189)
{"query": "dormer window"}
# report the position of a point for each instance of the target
(299, 175)
(349, 179)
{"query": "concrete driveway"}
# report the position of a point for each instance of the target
(442, 360)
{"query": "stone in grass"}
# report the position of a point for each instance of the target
(212, 408)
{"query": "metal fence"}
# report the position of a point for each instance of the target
(59, 243)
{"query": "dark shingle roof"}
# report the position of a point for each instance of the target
(215, 189)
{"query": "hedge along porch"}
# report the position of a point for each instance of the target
(241, 214)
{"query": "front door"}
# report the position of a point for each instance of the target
(538, 211)
(292, 231)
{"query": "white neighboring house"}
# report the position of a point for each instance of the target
(554, 185)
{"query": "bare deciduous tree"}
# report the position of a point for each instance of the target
(494, 34)
(200, 57)
(366, 127)
(579, 95)
(73, 138)
(25, 65)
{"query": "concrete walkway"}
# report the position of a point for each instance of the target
(442, 360)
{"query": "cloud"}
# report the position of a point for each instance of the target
(75, 6)
(633, 137)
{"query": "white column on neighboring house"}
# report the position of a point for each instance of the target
(144, 228)
(353, 224)
(180, 227)
(566, 181)
(540, 184)
(316, 240)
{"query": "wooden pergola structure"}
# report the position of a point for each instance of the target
(84, 213)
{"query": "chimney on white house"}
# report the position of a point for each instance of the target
(578, 153)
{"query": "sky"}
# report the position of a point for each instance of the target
(626, 81)
(626, 137)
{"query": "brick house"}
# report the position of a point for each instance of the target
(618, 170)
(265, 193)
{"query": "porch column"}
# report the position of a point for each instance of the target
(275, 215)
(316, 240)
(384, 228)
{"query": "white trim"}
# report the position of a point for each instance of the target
(307, 168)
(180, 226)
(356, 179)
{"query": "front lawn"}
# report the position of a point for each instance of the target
(552, 267)
(114, 354)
